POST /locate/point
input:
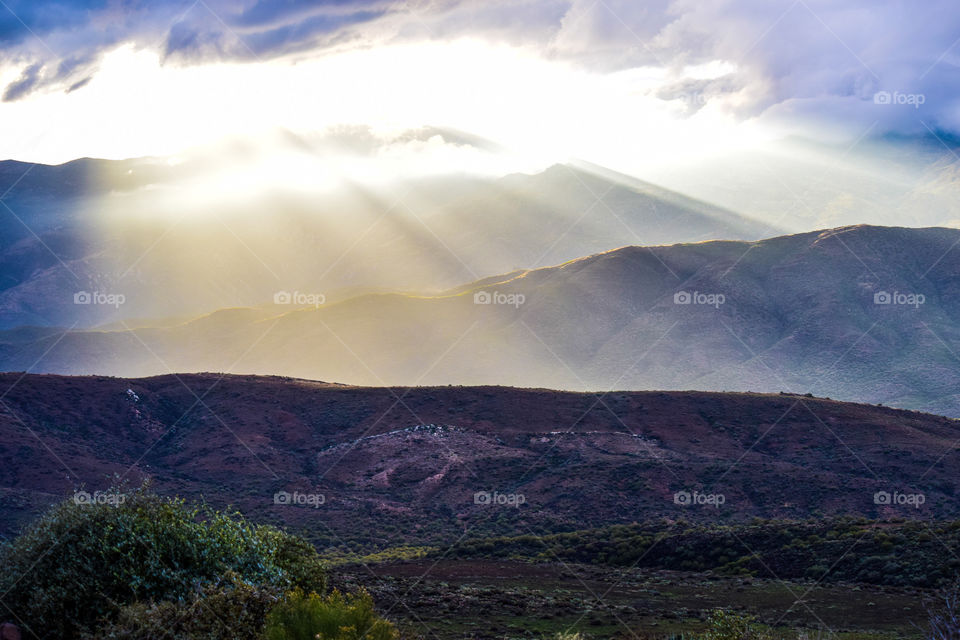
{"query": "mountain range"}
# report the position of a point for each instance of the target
(909, 181)
(172, 238)
(860, 313)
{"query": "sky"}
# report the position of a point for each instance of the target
(504, 85)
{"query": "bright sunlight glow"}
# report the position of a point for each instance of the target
(540, 111)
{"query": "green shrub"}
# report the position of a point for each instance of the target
(81, 563)
(726, 625)
(301, 616)
(234, 609)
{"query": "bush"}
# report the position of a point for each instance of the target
(234, 609)
(82, 563)
(726, 625)
(301, 616)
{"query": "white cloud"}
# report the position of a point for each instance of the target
(538, 75)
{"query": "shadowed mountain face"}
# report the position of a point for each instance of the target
(860, 313)
(177, 240)
(406, 465)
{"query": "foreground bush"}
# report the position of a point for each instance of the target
(726, 625)
(303, 616)
(81, 564)
(233, 609)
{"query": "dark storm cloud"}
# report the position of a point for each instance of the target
(279, 33)
(70, 65)
(71, 35)
(821, 59)
(79, 84)
(269, 13)
(24, 84)
(66, 37)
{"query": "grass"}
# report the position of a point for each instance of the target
(906, 553)
(497, 599)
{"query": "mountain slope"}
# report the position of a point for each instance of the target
(798, 314)
(405, 465)
(181, 240)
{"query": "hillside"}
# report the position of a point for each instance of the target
(145, 228)
(798, 314)
(405, 465)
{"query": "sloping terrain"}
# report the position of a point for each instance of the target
(173, 240)
(431, 464)
(859, 313)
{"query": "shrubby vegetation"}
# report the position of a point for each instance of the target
(229, 609)
(725, 625)
(148, 566)
(721, 625)
(909, 553)
(307, 616)
(390, 554)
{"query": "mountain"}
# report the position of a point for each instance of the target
(176, 237)
(794, 313)
(408, 464)
(806, 184)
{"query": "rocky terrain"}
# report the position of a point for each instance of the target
(367, 468)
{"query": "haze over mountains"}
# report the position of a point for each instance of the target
(218, 228)
(858, 313)
(910, 181)
(567, 279)
(181, 239)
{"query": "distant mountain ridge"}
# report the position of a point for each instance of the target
(145, 228)
(799, 313)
